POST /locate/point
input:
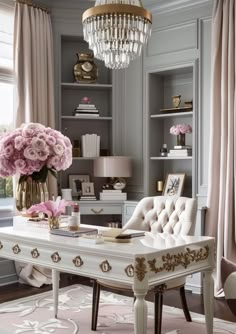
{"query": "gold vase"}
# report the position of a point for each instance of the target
(85, 70)
(181, 139)
(30, 192)
(54, 223)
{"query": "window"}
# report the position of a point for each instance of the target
(7, 88)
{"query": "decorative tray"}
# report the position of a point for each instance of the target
(175, 110)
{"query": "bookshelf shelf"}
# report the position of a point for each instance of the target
(86, 118)
(72, 96)
(75, 85)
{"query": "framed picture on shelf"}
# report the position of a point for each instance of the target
(88, 189)
(75, 183)
(174, 184)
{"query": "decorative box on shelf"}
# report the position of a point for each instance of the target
(113, 195)
(185, 152)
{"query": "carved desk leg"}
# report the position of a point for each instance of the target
(140, 312)
(208, 290)
(55, 288)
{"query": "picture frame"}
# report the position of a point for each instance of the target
(88, 189)
(75, 183)
(174, 184)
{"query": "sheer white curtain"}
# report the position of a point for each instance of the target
(220, 220)
(33, 63)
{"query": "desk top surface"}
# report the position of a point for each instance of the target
(149, 244)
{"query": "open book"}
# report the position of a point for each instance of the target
(119, 233)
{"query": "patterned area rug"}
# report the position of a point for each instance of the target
(35, 315)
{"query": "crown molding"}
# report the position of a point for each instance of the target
(161, 6)
(68, 5)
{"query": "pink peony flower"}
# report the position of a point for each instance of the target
(31, 129)
(8, 150)
(38, 144)
(30, 153)
(20, 165)
(180, 128)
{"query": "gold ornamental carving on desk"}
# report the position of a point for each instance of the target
(55, 257)
(78, 262)
(140, 268)
(184, 259)
(129, 270)
(16, 249)
(105, 266)
(35, 253)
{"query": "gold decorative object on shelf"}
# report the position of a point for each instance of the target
(188, 104)
(76, 148)
(85, 70)
(176, 100)
(160, 186)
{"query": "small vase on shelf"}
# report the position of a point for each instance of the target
(181, 139)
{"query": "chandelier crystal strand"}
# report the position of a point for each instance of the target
(116, 31)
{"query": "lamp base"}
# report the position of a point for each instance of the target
(119, 183)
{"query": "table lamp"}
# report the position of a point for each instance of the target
(117, 168)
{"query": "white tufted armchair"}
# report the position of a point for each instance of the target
(159, 214)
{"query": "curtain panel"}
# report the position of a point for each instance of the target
(33, 65)
(220, 218)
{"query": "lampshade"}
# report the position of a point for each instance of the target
(116, 30)
(112, 166)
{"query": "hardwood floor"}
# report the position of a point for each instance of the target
(171, 298)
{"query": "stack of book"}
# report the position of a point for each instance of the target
(112, 195)
(85, 109)
(88, 198)
(90, 145)
(180, 151)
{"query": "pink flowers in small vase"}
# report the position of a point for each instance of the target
(49, 208)
(180, 129)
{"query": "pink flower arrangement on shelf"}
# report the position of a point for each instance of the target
(49, 208)
(180, 129)
(34, 150)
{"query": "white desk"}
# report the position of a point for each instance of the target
(142, 262)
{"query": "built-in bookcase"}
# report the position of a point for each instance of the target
(71, 94)
(161, 86)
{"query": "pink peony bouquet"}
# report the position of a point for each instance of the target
(34, 150)
(180, 129)
(49, 208)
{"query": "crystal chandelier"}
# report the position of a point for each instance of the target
(116, 30)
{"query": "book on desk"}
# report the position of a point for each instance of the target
(64, 231)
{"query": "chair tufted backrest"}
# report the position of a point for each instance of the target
(165, 214)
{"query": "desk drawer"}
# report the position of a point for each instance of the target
(100, 209)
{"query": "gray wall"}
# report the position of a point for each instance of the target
(181, 33)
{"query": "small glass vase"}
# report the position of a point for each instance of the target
(30, 192)
(181, 139)
(53, 223)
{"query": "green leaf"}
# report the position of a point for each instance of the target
(40, 176)
(53, 172)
